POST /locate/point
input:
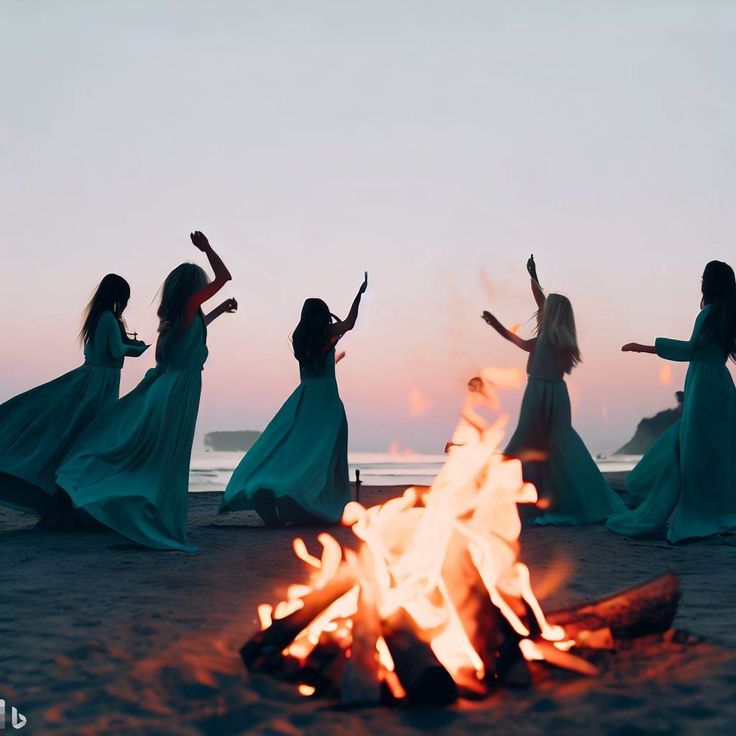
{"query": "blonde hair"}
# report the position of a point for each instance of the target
(557, 320)
(184, 281)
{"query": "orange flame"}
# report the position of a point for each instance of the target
(419, 403)
(665, 375)
(397, 449)
(406, 553)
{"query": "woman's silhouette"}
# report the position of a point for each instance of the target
(38, 427)
(130, 468)
(554, 458)
(297, 471)
(691, 468)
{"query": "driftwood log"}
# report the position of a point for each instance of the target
(644, 609)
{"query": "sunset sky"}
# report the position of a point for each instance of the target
(434, 144)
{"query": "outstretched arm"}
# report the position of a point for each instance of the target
(222, 276)
(682, 350)
(665, 347)
(229, 306)
(527, 345)
(637, 347)
(537, 290)
(339, 328)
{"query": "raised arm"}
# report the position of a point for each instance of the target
(527, 345)
(339, 328)
(537, 291)
(229, 306)
(669, 349)
(222, 276)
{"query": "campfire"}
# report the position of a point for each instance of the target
(433, 602)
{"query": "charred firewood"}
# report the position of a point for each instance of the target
(644, 609)
(262, 653)
(361, 681)
(324, 666)
(420, 673)
(488, 631)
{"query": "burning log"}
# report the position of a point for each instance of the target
(436, 601)
(421, 674)
(644, 609)
(263, 652)
(488, 632)
(324, 667)
(361, 682)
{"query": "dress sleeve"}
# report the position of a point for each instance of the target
(133, 350)
(108, 331)
(681, 350)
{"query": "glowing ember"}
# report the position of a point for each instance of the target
(397, 449)
(665, 375)
(429, 568)
(419, 402)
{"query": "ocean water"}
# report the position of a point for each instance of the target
(210, 471)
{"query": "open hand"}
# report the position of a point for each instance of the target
(531, 267)
(630, 347)
(199, 239)
(364, 285)
(488, 317)
(230, 306)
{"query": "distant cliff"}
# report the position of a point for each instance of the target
(650, 428)
(231, 441)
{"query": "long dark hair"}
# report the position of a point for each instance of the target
(719, 291)
(183, 282)
(111, 295)
(311, 336)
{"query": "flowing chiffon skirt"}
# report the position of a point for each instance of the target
(571, 487)
(688, 476)
(130, 468)
(38, 428)
(300, 459)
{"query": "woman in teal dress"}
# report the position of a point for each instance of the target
(38, 427)
(570, 486)
(688, 476)
(297, 471)
(129, 470)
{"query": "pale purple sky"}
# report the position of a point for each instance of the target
(435, 144)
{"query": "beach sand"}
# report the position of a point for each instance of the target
(102, 637)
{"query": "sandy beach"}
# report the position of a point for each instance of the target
(100, 636)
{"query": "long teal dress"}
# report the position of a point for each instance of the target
(689, 473)
(130, 467)
(301, 459)
(553, 456)
(38, 427)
